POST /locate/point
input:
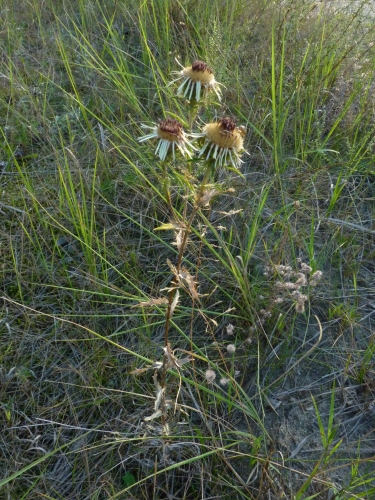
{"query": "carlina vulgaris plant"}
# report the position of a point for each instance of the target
(221, 145)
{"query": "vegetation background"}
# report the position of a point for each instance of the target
(291, 411)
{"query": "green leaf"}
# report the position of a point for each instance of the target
(168, 226)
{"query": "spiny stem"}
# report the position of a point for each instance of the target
(181, 252)
(182, 249)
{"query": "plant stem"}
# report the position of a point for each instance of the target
(173, 290)
(166, 187)
(182, 250)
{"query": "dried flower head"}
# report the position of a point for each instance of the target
(230, 329)
(301, 281)
(299, 297)
(197, 79)
(300, 307)
(231, 348)
(315, 278)
(170, 134)
(223, 142)
(210, 375)
(305, 268)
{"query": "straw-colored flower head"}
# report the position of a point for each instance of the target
(223, 142)
(170, 134)
(197, 79)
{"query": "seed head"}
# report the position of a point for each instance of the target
(305, 268)
(231, 348)
(300, 307)
(230, 329)
(210, 375)
(315, 278)
(171, 130)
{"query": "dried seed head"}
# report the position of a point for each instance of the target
(170, 130)
(201, 66)
(301, 280)
(315, 278)
(231, 348)
(210, 375)
(300, 307)
(302, 298)
(230, 329)
(227, 124)
(305, 268)
(299, 297)
(199, 71)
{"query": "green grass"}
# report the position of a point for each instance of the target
(290, 413)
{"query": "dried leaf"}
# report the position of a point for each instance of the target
(153, 416)
(138, 371)
(172, 361)
(213, 321)
(152, 302)
(172, 268)
(188, 278)
(206, 197)
(182, 361)
(157, 365)
(231, 212)
(179, 239)
(159, 397)
(175, 302)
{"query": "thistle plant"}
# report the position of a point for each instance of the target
(219, 145)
